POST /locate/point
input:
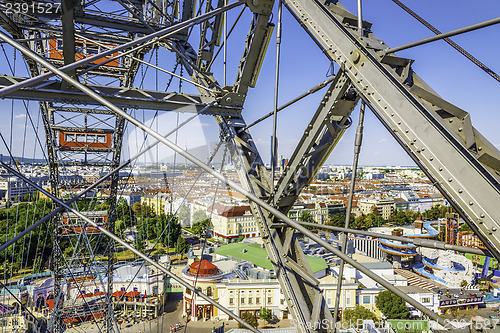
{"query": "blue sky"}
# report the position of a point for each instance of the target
(303, 66)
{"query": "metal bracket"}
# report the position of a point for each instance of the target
(232, 99)
(260, 6)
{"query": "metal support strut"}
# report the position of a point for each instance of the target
(357, 149)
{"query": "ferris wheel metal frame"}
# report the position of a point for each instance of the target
(436, 134)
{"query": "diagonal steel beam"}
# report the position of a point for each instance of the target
(68, 29)
(291, 267)
(319, 139)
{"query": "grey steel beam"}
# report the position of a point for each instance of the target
(81, 110)
(51, 90)
(82, 130)
(255, 45)
(68, 38)
(209, 35)
(319, 139)
(305, 302)
(451, 155)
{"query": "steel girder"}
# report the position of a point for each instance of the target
(210, 35)
(319, 139)
(50, 90)
(438, 135)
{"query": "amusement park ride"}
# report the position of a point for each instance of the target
(84, 58)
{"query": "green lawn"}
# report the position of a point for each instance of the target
(257, 255)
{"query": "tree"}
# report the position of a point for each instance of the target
(171, 228)
(136, 207)
(464, 227)
(183, 215)
(198, 216)
(306, 216)
(119, 227)
(391, 305)
(181, 246)
(374, 210)
(68, 252)
(359, 312)
(435, 212)
(265, 314)
(200, 228)
(250, 318)
(139, 244)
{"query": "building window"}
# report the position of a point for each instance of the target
(329, 301)
(366, 299)
(250, 300)
(348, 301)
(426, 300)
(231, 301)
(209, 291)
(257, 300)
(242, 301)
(269, 300)
(282, 301)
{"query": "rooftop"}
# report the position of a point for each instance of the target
(258, 256)
(413, 290)
(377, 265)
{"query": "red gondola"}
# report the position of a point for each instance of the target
(83, 49)
(73, 224)
(80, 140)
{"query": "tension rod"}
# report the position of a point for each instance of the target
(444, 35)
(357, 149)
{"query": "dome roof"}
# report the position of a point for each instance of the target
(205, 268)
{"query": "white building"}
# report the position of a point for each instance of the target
(425, 297)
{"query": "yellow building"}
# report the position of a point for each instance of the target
(385, 207)
(156, 202)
